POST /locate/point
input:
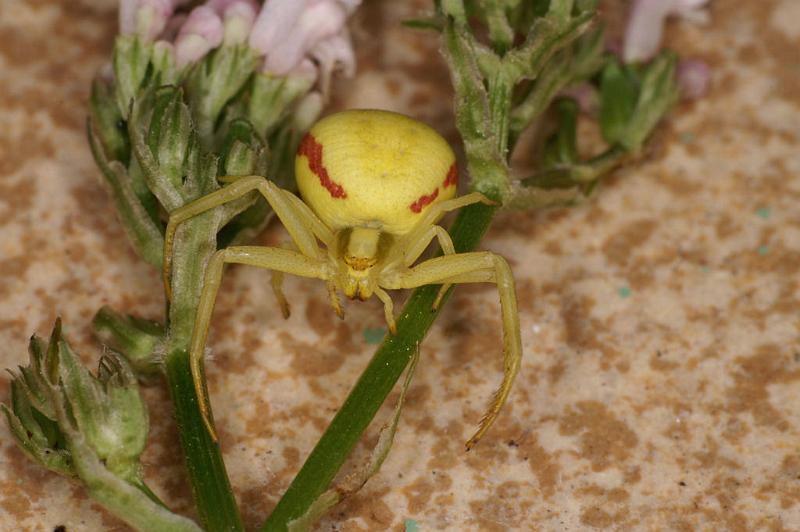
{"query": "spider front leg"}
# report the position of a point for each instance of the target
(275, 259)
(303, 225)
(277, 289)
(475, 267)
(415, 242)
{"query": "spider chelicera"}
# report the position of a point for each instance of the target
(374, 185)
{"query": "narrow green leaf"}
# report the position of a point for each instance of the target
(430, 23)
(375, 383)
(144, 234)
(619, 92)
(658, 93)
(109, 122)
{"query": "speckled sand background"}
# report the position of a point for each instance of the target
(660, 388)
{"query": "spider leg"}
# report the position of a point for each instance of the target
(437, 210)
(277, 283)
(275, 259)
(388, 309)
(415, 242)
(416, 248)
(475, 267)
(335, 303)
(303, 226)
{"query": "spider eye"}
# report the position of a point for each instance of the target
(360, 263)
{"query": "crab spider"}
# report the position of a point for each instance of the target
(372, 199)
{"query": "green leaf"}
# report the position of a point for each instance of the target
(430, 23)
(619, 91)
(546, 37)
(501, 34)
(579, 61)
(562, 146)
(356, 480)
(658, 92)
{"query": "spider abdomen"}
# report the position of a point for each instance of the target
(370, 168)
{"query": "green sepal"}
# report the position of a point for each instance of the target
(109, 122)
(272, 99)
(32, 418)
(144, 231)
(163, 63)
(131, 63)
(94, 429)
(139, 340)
(244, 154)
(107, 410)
(213, 82)
(243, 151)
(170, 133)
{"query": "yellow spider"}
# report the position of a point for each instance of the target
(374, 184)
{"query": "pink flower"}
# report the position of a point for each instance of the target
(693, 78)
(286, 31)
(146, 18)
(646, 24)
(331, 54)
(238, 17)
(201, 33)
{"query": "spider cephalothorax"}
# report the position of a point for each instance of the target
(374, 184)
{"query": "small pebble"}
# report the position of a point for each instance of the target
(374, 335)
(411, 525)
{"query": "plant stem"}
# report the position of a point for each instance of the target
(195, 242)
(210, 485)
(375, 383)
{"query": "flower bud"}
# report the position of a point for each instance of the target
(146, 18)
(646, 24)
(286, 30)
(693, 77)
(334, 53)
(238, 17)
(201, 33)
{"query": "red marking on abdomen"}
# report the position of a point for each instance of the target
(452, 176)
(423, 201)
(313, 151)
